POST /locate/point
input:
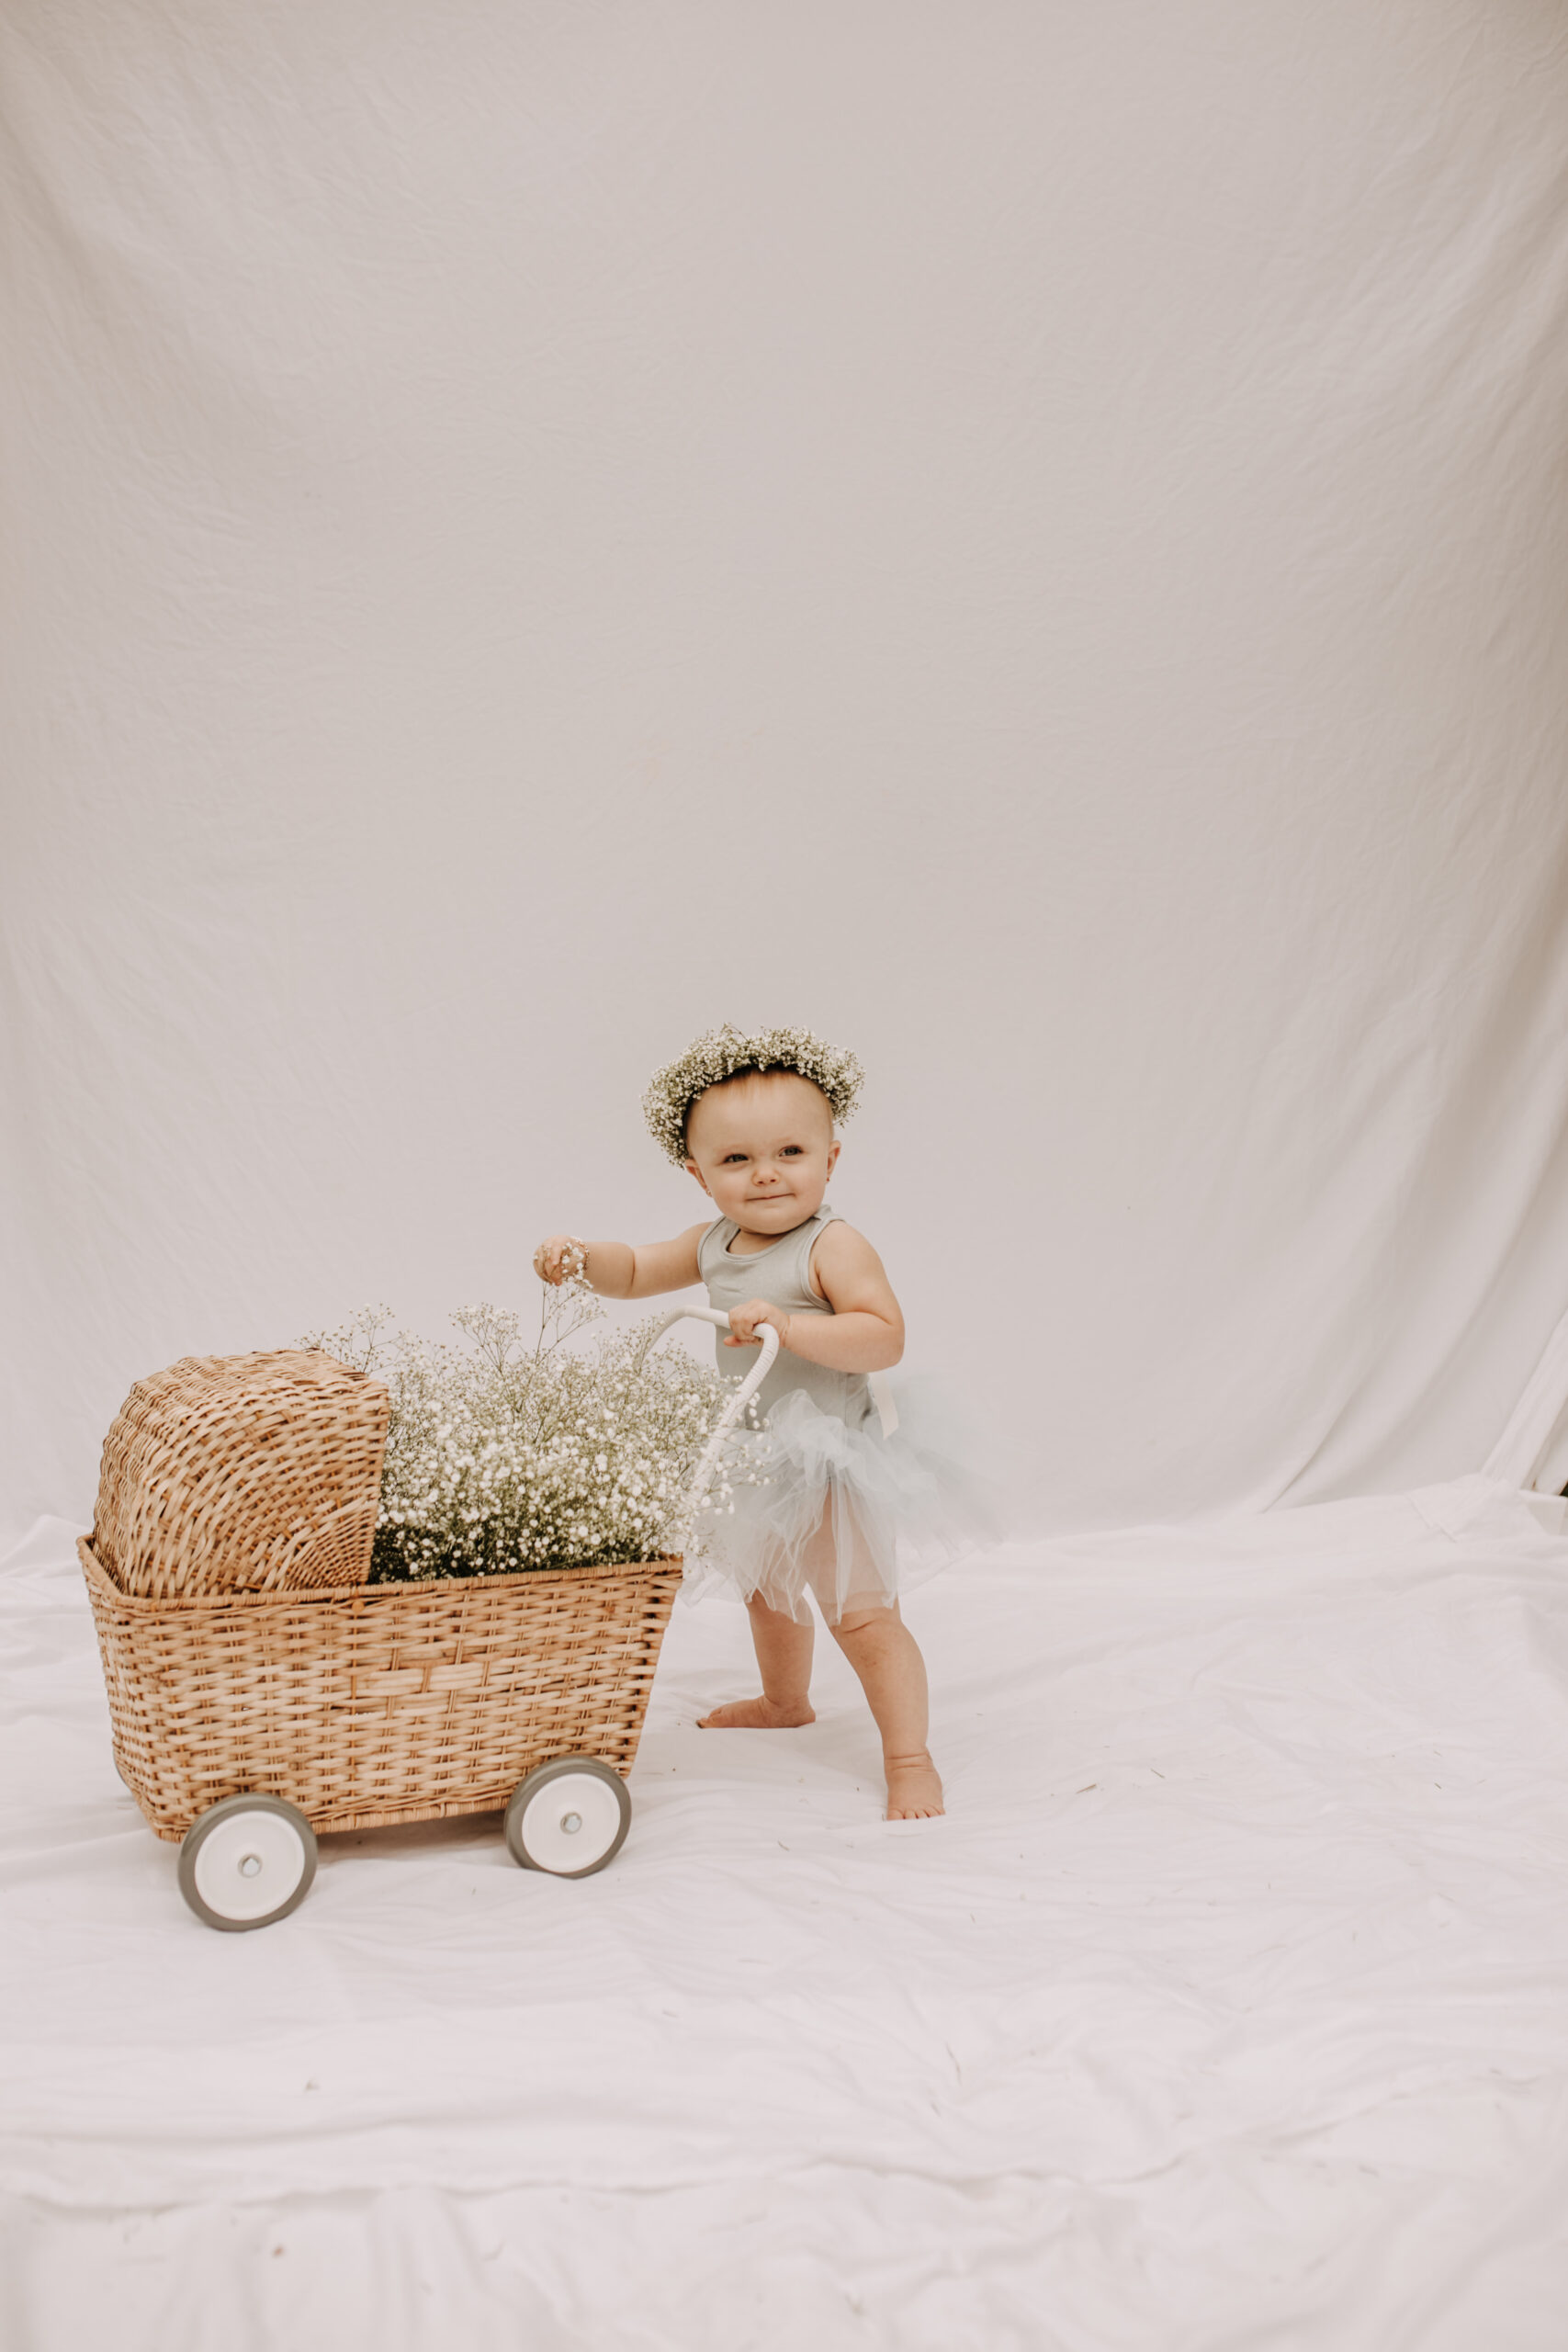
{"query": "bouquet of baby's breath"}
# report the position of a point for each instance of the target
(503, 1455)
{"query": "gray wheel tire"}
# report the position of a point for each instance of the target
(246, 1862)
(568, 1817)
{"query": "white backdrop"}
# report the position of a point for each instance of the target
(1029, 538)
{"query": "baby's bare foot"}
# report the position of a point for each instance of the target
(914, 1787)
(757, 1714)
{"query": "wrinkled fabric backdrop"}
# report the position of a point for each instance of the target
(1028, 537)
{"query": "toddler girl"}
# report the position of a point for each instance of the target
(752, 1119)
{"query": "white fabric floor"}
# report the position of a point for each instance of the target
(1228, 2006)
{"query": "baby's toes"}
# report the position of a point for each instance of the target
(914, 1791)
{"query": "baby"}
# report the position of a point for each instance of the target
(752, 1119)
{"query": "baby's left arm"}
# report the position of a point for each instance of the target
(866, 1330)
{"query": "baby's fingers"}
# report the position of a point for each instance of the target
(550, 1258)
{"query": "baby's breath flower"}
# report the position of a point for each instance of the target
(501, 1457)
(720, 1053)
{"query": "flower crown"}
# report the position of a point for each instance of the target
(724, 1053)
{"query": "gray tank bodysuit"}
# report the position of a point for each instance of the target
(782, 1274)
(838, 1513)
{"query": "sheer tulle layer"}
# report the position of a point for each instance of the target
(847, 1515)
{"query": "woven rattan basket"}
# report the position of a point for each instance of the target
(394, 1702)
(242, 1474)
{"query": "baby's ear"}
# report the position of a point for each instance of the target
(692, 1169)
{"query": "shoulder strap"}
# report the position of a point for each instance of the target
(716, 1238)
(813, 1228)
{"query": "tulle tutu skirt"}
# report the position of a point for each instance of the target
(827, 1508)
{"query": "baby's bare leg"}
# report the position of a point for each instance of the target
(886, 1656)
(783, 1653)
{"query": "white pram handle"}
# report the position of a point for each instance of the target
(738, 1403)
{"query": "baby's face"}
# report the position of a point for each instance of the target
(762, 1149)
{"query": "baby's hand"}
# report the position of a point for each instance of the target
(556, 1259)
(745, 1322)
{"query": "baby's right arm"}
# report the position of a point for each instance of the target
(617, 1270)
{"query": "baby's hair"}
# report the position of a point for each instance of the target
(722, 1053)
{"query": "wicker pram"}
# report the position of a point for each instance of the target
(246, 1720)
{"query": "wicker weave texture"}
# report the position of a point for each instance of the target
(396, 1702)
(242, 1474)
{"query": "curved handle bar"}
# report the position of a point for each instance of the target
(738, 1403)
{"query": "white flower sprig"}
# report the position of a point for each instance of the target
(501, 1457)
(720, 1053)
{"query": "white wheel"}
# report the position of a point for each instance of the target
(247, 1861)
(569, 1817)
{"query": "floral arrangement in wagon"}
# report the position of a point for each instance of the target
(504, 1453)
